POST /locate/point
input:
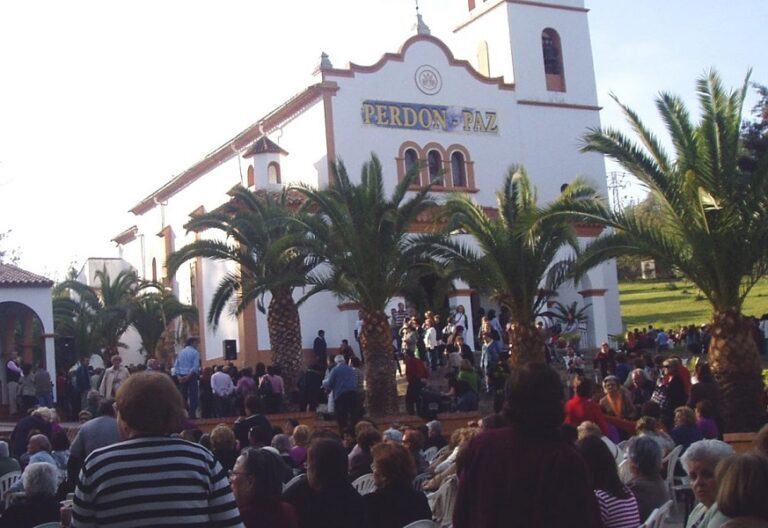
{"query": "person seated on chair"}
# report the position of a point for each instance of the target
(644, 455)
(700, 461)
(743, 482)
(39, 504)
(686, 430)
(618, 506)
(8, 464)
(326, 499)
(256, 481)
(395, 503)
(360, 464)
(498, 467)
(435, 436)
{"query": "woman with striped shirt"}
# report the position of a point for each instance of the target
(618, 507)
(152, 479)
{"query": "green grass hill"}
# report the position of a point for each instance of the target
(672, 304)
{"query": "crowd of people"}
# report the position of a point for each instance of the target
(140, 461)
(566, 445)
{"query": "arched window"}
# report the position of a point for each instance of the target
(552, 51)
(251, 176)
(458, 170)
(483, 62)
(435, 165)
(273, 173)
(411, 160)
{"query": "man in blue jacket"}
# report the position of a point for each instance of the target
(343, 382)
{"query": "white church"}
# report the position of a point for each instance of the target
(513, 84)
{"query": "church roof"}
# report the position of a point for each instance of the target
(231, 148)
(264, 145)
(12, 276)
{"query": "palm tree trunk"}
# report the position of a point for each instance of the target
(526, 345)
(735, 363)
(381, 386)
(285, 336)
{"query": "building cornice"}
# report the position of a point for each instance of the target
(560, 105)
(519, 2)
(354, 69)
(129, 235)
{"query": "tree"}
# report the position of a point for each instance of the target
(369, 250)
(712, 224)
(99, 316)
(755, 133)
(261, 237)
(11, 256)
(152, 314)
(517, 253)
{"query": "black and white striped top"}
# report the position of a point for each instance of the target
(154, 481)
(616, 512)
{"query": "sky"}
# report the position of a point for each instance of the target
(101, 102)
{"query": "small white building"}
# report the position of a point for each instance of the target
(513, 84)
(26, 309)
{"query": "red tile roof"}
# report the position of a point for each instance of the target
(12, 276)
(264, 145)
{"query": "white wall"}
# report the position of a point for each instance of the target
(522, 25)
(304, 139)
(395, 82)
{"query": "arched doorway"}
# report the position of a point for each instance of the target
(22, 333)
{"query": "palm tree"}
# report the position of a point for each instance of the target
(366, 242)
(264, 243)
(713, 225)
(104, 310)
(152, 315)
(517, 257)
(75, 319)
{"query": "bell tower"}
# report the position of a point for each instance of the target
(543, 47)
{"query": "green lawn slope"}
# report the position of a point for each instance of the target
(672, 304)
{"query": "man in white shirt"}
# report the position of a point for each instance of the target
(430, 343)
(223, 389)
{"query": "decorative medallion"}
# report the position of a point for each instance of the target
(428, 79)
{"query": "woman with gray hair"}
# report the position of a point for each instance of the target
(7, 463)
(39, 504)
(644, 456)
(700, 461)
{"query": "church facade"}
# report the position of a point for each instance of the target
(516, 86)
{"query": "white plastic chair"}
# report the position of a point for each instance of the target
(650, 522)
(671, 461)
(423, 523)
(625, 474)
(430, 454)
(8, 480)
(662, 513)
(365, 484)
(443, 500)
(12, 496)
